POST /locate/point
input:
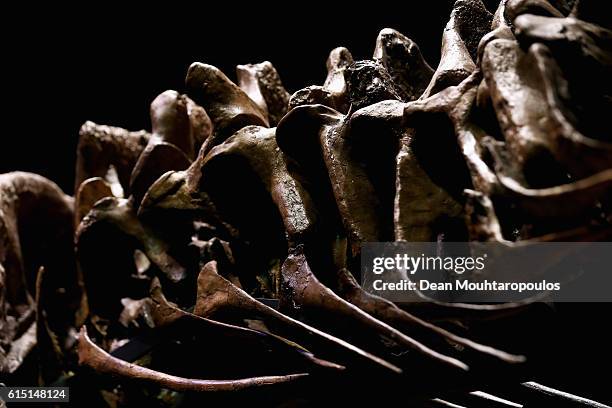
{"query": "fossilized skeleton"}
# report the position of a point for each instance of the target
(184, 232)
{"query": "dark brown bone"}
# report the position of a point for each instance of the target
(580, 154)
(228, 107)
(280, 211)
(500, 29)
(356, 194)
(403, 60)
(338, 61)
(302, 293)
(519, 104)
(568, 38)
(334, 92)
(170, 146)
(252, 155)
(120, 215)
(456, 102)
(20, 348)
(575, 47)
(357, 202)
(369, 82)
(310, 132)
(546, 202)
(418, 180)
(201, 126)
(285, 129)
(218, 295)
(471, 20)
(170, 121)
(89, 192)
(347, 287)
(51, 356)
(36, 220)
(101, 147)
(538, 125)
(515, 8)
(366, 82)
(454, 105)
(389, 313)
(413, 186)
(468, 23)
(256, 147)
(419, 201)
(94, 357)
(262, 84)
(483, 224)
(164, 314)
(311, 95)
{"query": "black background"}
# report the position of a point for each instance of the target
(65, 66)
